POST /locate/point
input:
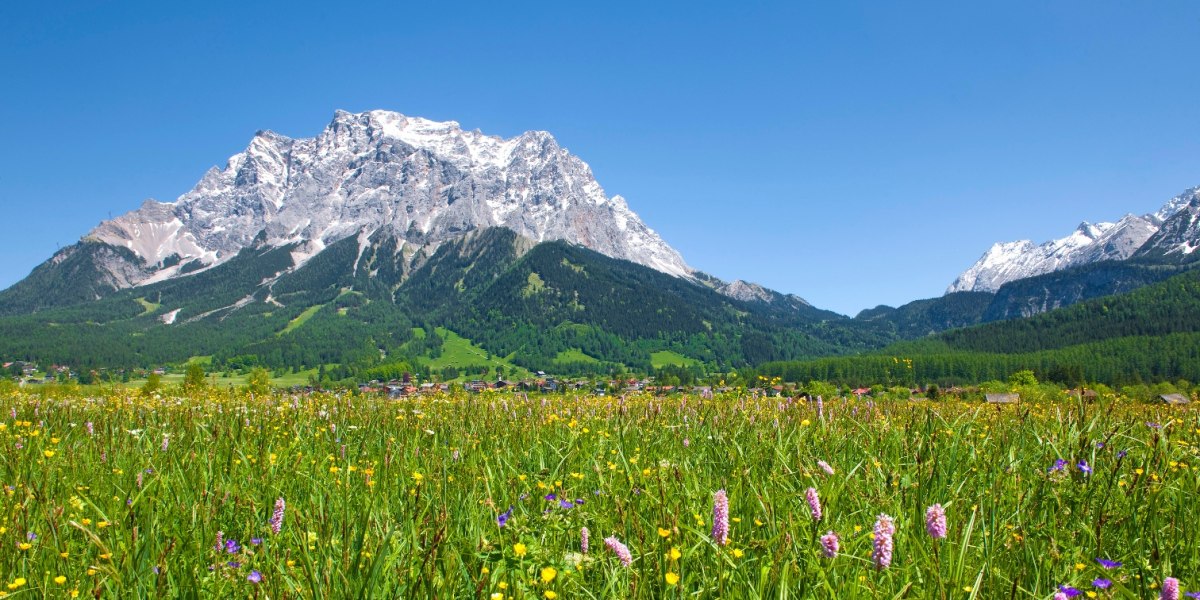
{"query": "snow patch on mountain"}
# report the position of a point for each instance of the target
(1010, 261)
(423, 182)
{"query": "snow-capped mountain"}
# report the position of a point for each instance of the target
(418, 181)
(1178, 238)
(1010, 261)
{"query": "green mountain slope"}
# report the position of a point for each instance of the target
(1149, 334)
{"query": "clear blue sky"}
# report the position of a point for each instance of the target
(852, 153)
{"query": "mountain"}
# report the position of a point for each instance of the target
(924, 317)
(370, 175)
(1177, 239)
(1011, 261)
(339, 249)
(1148, 335)
(1058, 289)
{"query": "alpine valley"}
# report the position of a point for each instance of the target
(390, 244)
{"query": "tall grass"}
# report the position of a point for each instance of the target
(400, 499)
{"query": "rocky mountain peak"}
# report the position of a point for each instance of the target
(422, 182)
(1089, 243)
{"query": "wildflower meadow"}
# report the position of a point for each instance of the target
(502, 495)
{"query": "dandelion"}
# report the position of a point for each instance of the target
(885, 527)
(621, 550)
(277, 516)
(720, 530)
(583, 539)
(1170, 589)
(519, 549)
(829, 545)
(935, 521)
(825, 467)
(548, 574)
(814, 503)
(671, 578)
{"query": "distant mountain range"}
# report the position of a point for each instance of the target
(1168, 235)
(355, 247)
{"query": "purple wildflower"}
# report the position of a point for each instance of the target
(825, 467)
(90, 428)
(166, 442)
(814, 503)
(1083, 466)
(935, 521)
(31, 536)
(220, 541)
(720, 530)
(502, 518)
(619, 549)
(1103, 584)
(1108, 564)
(1068, 591)
(829, 545)
(256, 541)
(1059, 465)
(233, 564)
(1170, 589)
(254, 577)
(551, 497)
(1192, 594)
(232, 547)
(1060, 596)
(583, 540)
(884, 528)
(565, 504)
(1122, 454)
(277, 516)
(579, 502)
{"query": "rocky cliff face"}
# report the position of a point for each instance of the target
(381, 174)
(1011, 261)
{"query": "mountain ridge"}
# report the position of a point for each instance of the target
(1090, 243)
(423, 181)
